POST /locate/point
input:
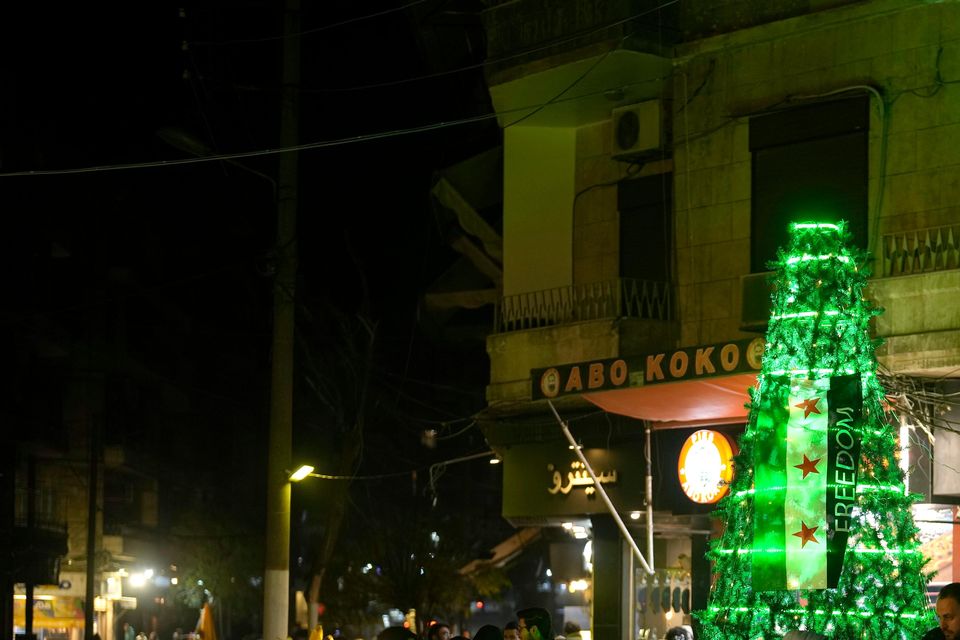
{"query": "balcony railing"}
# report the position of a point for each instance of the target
(921, 251)
(49, 509)
(620, 298)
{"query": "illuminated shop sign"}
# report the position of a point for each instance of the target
(705, 467)
(703, 361)
(577, 476)
(549, 480)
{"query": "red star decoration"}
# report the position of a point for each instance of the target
(809, 406)
(808, 466)
(806, 534)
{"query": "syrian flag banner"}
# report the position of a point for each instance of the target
(805, 480)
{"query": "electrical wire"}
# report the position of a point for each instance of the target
(422, 403)
(493, 61)
(396, 474)
(426, 383)
(311, 145)
(458, 433)
(438, 469)
(586, 72)
(306, 32)
(323, 144)
(555, 98)
(435, 423)
(920, 402)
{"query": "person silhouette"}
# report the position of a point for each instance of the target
(534, 624)
(948, 614)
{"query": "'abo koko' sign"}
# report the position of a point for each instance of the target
(633, 371)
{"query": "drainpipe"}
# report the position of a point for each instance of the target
(648, 567)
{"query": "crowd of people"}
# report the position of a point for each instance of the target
(532, 623)
(535, 624)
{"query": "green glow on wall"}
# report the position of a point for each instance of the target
(819, 328)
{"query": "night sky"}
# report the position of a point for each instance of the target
(170, 266)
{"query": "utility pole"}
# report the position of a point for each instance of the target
(93, 489)
(8, 463)
(31, 523)
(276, 587)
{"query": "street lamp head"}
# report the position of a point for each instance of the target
(301, 473)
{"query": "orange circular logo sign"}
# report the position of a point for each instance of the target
(705, 466)
(550, 383)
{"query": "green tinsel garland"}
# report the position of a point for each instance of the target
(819, 326)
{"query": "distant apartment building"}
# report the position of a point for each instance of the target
(69, 401)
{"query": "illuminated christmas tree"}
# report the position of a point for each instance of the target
(819, 533)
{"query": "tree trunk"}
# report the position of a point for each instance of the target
(338, 507)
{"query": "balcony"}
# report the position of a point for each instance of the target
(49, 510)
(918, 286)
(575, 324)
(914, 281)
(37, 549)
(920, 251)
(523, 33)
(620, 298)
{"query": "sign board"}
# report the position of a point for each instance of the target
(547, 480)
(703, 361)
(704, 467)
(60, 612)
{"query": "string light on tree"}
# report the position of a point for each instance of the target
(819, 533)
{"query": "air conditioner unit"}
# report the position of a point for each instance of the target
(637, 130)
(756, 291)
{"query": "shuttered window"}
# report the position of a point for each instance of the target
(809, 163)
(645, 227)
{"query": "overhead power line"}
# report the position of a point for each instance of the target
(306, 32)
(470, 67)
(380, 476)
(323, 144)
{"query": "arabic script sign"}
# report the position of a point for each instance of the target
(545, 480)
(578, 476)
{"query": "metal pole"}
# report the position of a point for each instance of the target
(649, 496)
(602, 492)
(631, 625)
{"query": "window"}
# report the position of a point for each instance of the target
(809, 163)
(645, 227)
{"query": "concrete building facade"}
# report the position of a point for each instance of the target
(653, 154)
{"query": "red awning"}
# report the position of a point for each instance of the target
(687, 403)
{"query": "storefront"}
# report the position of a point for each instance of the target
(59, 612)
(931, 469)
(54, 617)
(546, 484)
(693, 402)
